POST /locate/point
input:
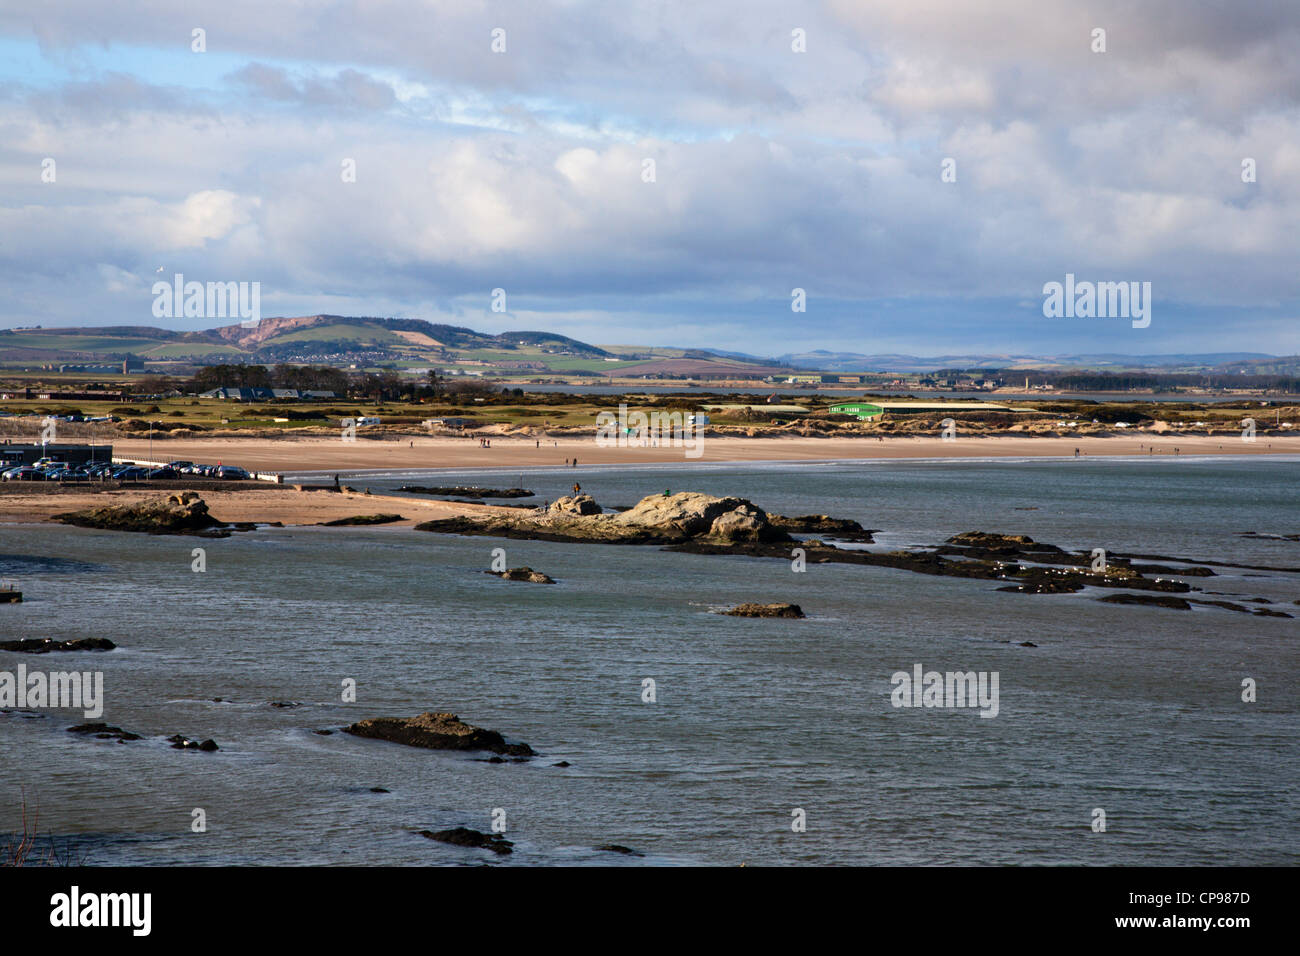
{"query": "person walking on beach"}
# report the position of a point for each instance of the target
(575, 463)
(577, 488)
(336, 482)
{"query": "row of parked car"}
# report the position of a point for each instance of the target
(47, 469)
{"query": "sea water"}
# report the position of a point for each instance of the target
(1135, 711)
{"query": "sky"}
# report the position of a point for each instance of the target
(919, 169)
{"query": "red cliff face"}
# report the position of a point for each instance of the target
(251, 338)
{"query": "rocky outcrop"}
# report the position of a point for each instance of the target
(765, 610)
(47, 645)
(657, 519)
(522, 574)
(464, 836)
(695, 523)
(437, 731)
(183, 513)
(690, 515)
(180, 742)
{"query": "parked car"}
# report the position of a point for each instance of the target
(166, 471)
(231, 472)
(24, 473)
(180, 466)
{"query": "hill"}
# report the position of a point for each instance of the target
(317, 339)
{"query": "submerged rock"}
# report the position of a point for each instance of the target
(464, 836)
(1043, 587)
(179, 742)
(1180, 604)
(436, 731)
(362, 519)
(618, 848)
(102, 731)
(522, 574)
(46, 645)
(765, 610)
(468, 491)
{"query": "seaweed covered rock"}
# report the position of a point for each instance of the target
(523, 574)
(362, 519)
(843, 528)
(436, 731)
(765, 610)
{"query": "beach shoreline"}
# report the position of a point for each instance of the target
(317, 460)
(306, 456)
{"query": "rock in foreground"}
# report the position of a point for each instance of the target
(437, 731)
(183, 513)
(766, 610)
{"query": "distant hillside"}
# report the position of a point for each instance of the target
(321, 339)
(371, 342)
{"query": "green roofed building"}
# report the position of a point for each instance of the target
(863, 410)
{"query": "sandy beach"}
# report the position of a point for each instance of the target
(289, 455)
(264, 502)
(257, 503)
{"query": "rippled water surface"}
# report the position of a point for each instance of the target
(1134, 710)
